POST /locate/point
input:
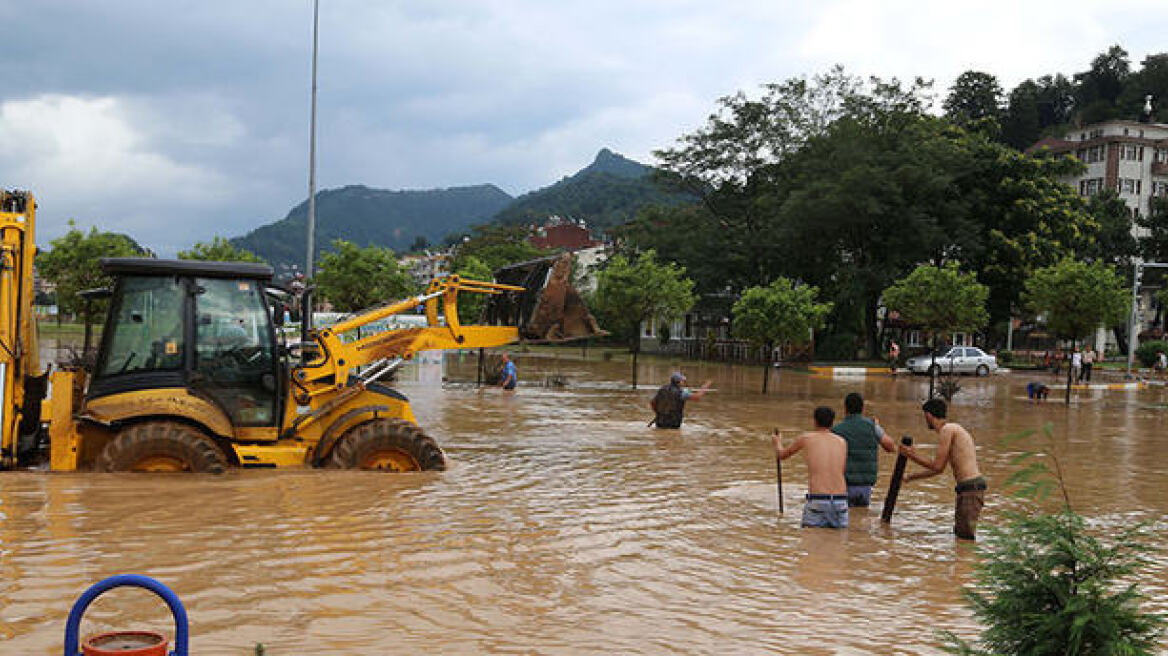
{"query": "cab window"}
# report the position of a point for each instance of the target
(146, 327)
(234, 349)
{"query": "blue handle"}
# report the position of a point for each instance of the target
(181, 633)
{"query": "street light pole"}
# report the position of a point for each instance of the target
(1134, 319)
(306, 305)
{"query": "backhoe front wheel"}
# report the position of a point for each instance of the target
(387, 445)
(162, 446)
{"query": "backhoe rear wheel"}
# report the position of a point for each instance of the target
(387, 445)
(162, 446)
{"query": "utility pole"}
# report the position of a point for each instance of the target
(306, 304)
(1133, 320)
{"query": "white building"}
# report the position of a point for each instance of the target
(1127, 156)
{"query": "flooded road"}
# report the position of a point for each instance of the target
(565, 526)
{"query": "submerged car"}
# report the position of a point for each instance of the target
(954, 359)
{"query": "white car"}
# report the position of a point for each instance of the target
(954, 359)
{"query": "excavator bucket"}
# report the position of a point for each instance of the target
(548, 309)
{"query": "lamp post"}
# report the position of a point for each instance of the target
(1133, 320)
(306, 304)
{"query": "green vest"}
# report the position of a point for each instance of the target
(860, 434)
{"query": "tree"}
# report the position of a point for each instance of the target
(73, 264)
(630, 293)
(219, 250)
(1021, 122)
(1075, 298)
(1047, 583)
(497, 246)
(470, 306)
(1101, 85)
(354, 278)
(781, 312)
(974, 98)
(1154, 242)
(940, 300)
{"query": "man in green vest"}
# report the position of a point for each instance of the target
(863, 441)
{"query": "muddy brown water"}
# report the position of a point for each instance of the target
(565, 526)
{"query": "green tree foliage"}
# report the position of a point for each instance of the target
(1048, 584)
(974, 99)
(1114, 243)
(73, 263)
(219, 250)
(783, 312)
(1075, 298)
(631, 292)
(354, 278)
(939, 299)
(470, 306)
(1100, 86)
(1021, 120)
(497, 246)
(1154, 242)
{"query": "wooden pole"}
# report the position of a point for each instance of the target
(779, 473)
(894, 484)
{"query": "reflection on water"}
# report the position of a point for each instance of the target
(564, 525)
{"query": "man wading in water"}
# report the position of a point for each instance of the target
(957, 449)
(825, 454)
(669, 403)
(864, 440)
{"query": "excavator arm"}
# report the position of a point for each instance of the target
(543, 307)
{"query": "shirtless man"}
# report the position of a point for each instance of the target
(956, 448)
(826, 455)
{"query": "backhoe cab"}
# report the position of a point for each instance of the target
(191, 374)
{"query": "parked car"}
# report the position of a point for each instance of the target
(954, 359)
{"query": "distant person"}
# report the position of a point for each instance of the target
(669, 402)
(1076, 365)
(826, 455)
(893, 355)
(863, 449)
(1037, 392)
(957, 449)
(1161, 363)
(1088, 364)
(510, 374)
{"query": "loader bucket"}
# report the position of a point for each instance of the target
(548, 309)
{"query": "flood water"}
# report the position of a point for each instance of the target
(565, 526)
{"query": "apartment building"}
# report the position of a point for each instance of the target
(1127, 156)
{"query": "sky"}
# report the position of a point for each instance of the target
(175, 121)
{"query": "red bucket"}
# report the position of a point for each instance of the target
(125, 643)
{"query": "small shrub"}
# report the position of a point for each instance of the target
(1005, 358)
(1146, 352)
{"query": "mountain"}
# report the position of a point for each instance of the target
(380, 217)
(606, 193)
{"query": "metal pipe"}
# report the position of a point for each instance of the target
(306, 305)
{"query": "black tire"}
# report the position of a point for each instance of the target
(983, 370)
(387, 445)
(162, 446)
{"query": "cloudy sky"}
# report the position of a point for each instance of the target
(176, 120)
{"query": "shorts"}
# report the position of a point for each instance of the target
(859, 496)
(967, 509)
(826, 511)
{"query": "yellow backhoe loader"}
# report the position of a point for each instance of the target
(192, 375)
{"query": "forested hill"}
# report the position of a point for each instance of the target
(394, 219)
(606, 193)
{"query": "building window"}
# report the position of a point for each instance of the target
(1160, 188)
(914, 338)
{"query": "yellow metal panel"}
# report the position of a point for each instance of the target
(256, 433)
(284, 454)
(64, 441)
(172, 402)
